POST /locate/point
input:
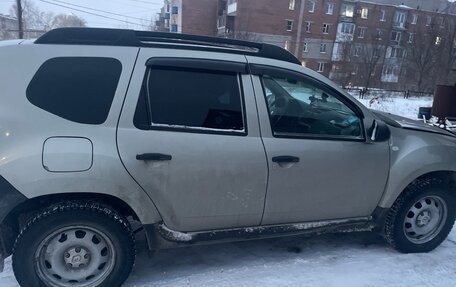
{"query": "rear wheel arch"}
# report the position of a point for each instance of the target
(19, 215)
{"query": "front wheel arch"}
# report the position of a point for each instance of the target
(395, 228)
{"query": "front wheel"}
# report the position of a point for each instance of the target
(78, 244)
(421, 218)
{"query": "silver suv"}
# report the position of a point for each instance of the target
(200, 140)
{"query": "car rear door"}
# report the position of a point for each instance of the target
(321, 165)
(189, 135)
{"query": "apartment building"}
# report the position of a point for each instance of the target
(377, 40)
(188, 16)
(8, 26)
(354, 42)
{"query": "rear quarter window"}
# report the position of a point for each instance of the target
(79, 89)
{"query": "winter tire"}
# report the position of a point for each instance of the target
(421, 218)
(79, 244)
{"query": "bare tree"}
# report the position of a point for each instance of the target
(371, 55)
(448, 56)
(423, 54)
(36, 22)
(344, 69)
(67, 20)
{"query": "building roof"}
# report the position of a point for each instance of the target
(7, 17)
(426, 5)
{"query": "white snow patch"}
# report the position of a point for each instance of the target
(176, 235)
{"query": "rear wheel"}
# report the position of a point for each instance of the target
(74, 244)
(421, 218)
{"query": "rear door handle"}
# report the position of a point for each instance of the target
(285, 159)
(153, 156)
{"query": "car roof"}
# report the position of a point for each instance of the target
(132, 38)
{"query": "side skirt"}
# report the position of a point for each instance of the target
(161, 237)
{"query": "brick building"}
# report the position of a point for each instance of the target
(354, 42)
(188, 16)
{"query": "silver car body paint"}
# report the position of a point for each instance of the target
(24, 128)
(213, 181)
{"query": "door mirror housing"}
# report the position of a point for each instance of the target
(379, 131)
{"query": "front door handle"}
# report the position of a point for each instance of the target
(285, 159)
(153, 156)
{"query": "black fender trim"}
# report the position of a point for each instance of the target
(10, 197)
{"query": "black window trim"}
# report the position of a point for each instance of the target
(202, 65)
(260, 70)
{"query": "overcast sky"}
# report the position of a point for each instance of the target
(132, 11)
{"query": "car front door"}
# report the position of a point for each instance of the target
(189, 135)
(321, 166)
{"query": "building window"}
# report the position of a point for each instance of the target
(414, 19)
(428, 20)
(357, 51)
(382, 15)
(364, 12)
(347, 10)
(361, 32)
(438, 40)
(389, 70)
(306, 47)
(329, 8)
(376, 52)
(292, 4)
(355, 69)
(410, 39)
(380, 33)
(395, 36)
(289, 25)
(311, 6)
(396, 53)
(323, 48)
(308, 26)
(347, 28)
(325, 28)
(175, 10)
(440, 21)
(399, 19)
(321, 67)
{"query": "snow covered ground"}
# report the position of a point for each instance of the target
(357, 259)
(354, 260)
(396, 105)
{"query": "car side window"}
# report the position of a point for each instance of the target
(195, 100)
(301, 108)
(79, 89)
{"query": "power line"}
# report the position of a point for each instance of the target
(94, 14)
(147, 2)
(98, 10)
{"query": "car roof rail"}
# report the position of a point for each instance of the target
(132, 38)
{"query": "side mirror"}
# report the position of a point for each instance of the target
(379, 131)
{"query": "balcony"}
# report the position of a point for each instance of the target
(400, 25)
